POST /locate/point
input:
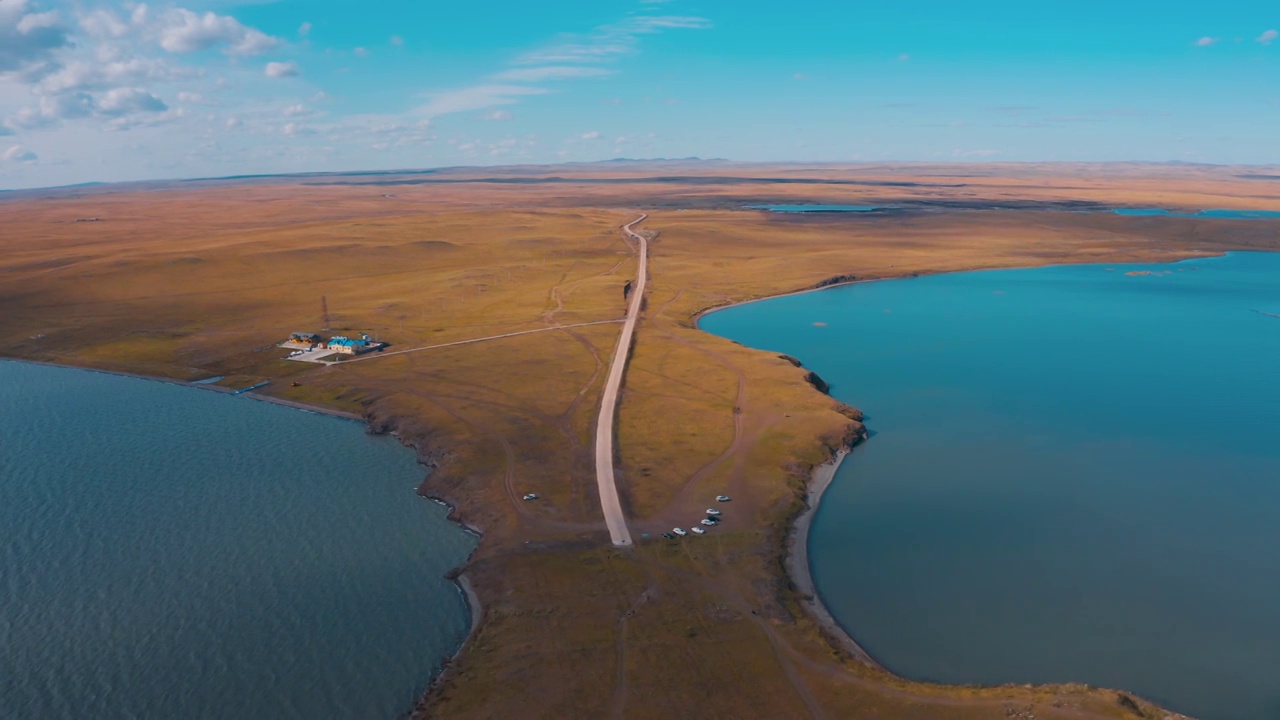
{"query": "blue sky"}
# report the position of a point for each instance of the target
(92, 90)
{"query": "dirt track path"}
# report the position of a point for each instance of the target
(610, 503)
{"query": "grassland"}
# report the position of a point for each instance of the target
(193, 281)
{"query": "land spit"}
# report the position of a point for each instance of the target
(185, 284)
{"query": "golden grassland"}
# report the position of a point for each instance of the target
(189, 282)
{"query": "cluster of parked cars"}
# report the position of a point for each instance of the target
(711, 520)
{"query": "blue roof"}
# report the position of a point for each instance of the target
(346, 342)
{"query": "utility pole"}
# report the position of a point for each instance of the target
(324, 311)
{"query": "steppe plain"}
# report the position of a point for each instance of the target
(187, 280)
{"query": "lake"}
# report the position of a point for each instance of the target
(818, 208)
(1207, 214)
(174, 552)
(1073, 474)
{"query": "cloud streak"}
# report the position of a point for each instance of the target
(571, 57)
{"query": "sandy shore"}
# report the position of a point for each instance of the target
(473, 604)
(797, 562)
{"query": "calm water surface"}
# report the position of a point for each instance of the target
(169, 552)
(818, 208)
(1074, 474)
(1215, 214)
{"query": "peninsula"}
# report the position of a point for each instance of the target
(501, 291)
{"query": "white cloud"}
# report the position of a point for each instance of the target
(183, 31)
(28, 38)
(114, 64)
(1268, 37)
(104, 24)
(281, 70)
(477, 97)
(551, 72)
(78, 75)
(18, 153)
(1206, 41)
(593, 135)
(575, 57)
(607, 41)
(52, 110)
(127, 101)
(361, 52)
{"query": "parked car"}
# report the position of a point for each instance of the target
(531, 496)
(708, 522)
(723, 498)
(698, 531)
(669, 536)
(712, 511)
(679, 532)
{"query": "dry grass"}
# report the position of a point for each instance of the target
(195, 282)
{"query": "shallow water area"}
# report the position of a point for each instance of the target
(1073, 474)
(175, 552)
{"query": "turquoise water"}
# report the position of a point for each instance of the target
(1214, 214)
(171, 552)
(817, 208)
(1074, 474)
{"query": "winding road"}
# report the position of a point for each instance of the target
(609, 501)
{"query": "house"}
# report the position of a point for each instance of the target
(349, 346)
(306, 338)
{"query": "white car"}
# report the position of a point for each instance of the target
(698, 531)
(723, 498)
(531, 496)
(712, 511)
(708, 522)
(679, 532)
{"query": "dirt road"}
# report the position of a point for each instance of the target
(609, 502)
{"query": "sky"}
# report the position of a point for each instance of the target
(100, 91)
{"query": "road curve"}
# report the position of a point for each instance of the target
(609, 502)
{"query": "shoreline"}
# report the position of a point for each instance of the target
(304, 407)
(797, 560)
(796, 548)
(457, 575)
(698, 316)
